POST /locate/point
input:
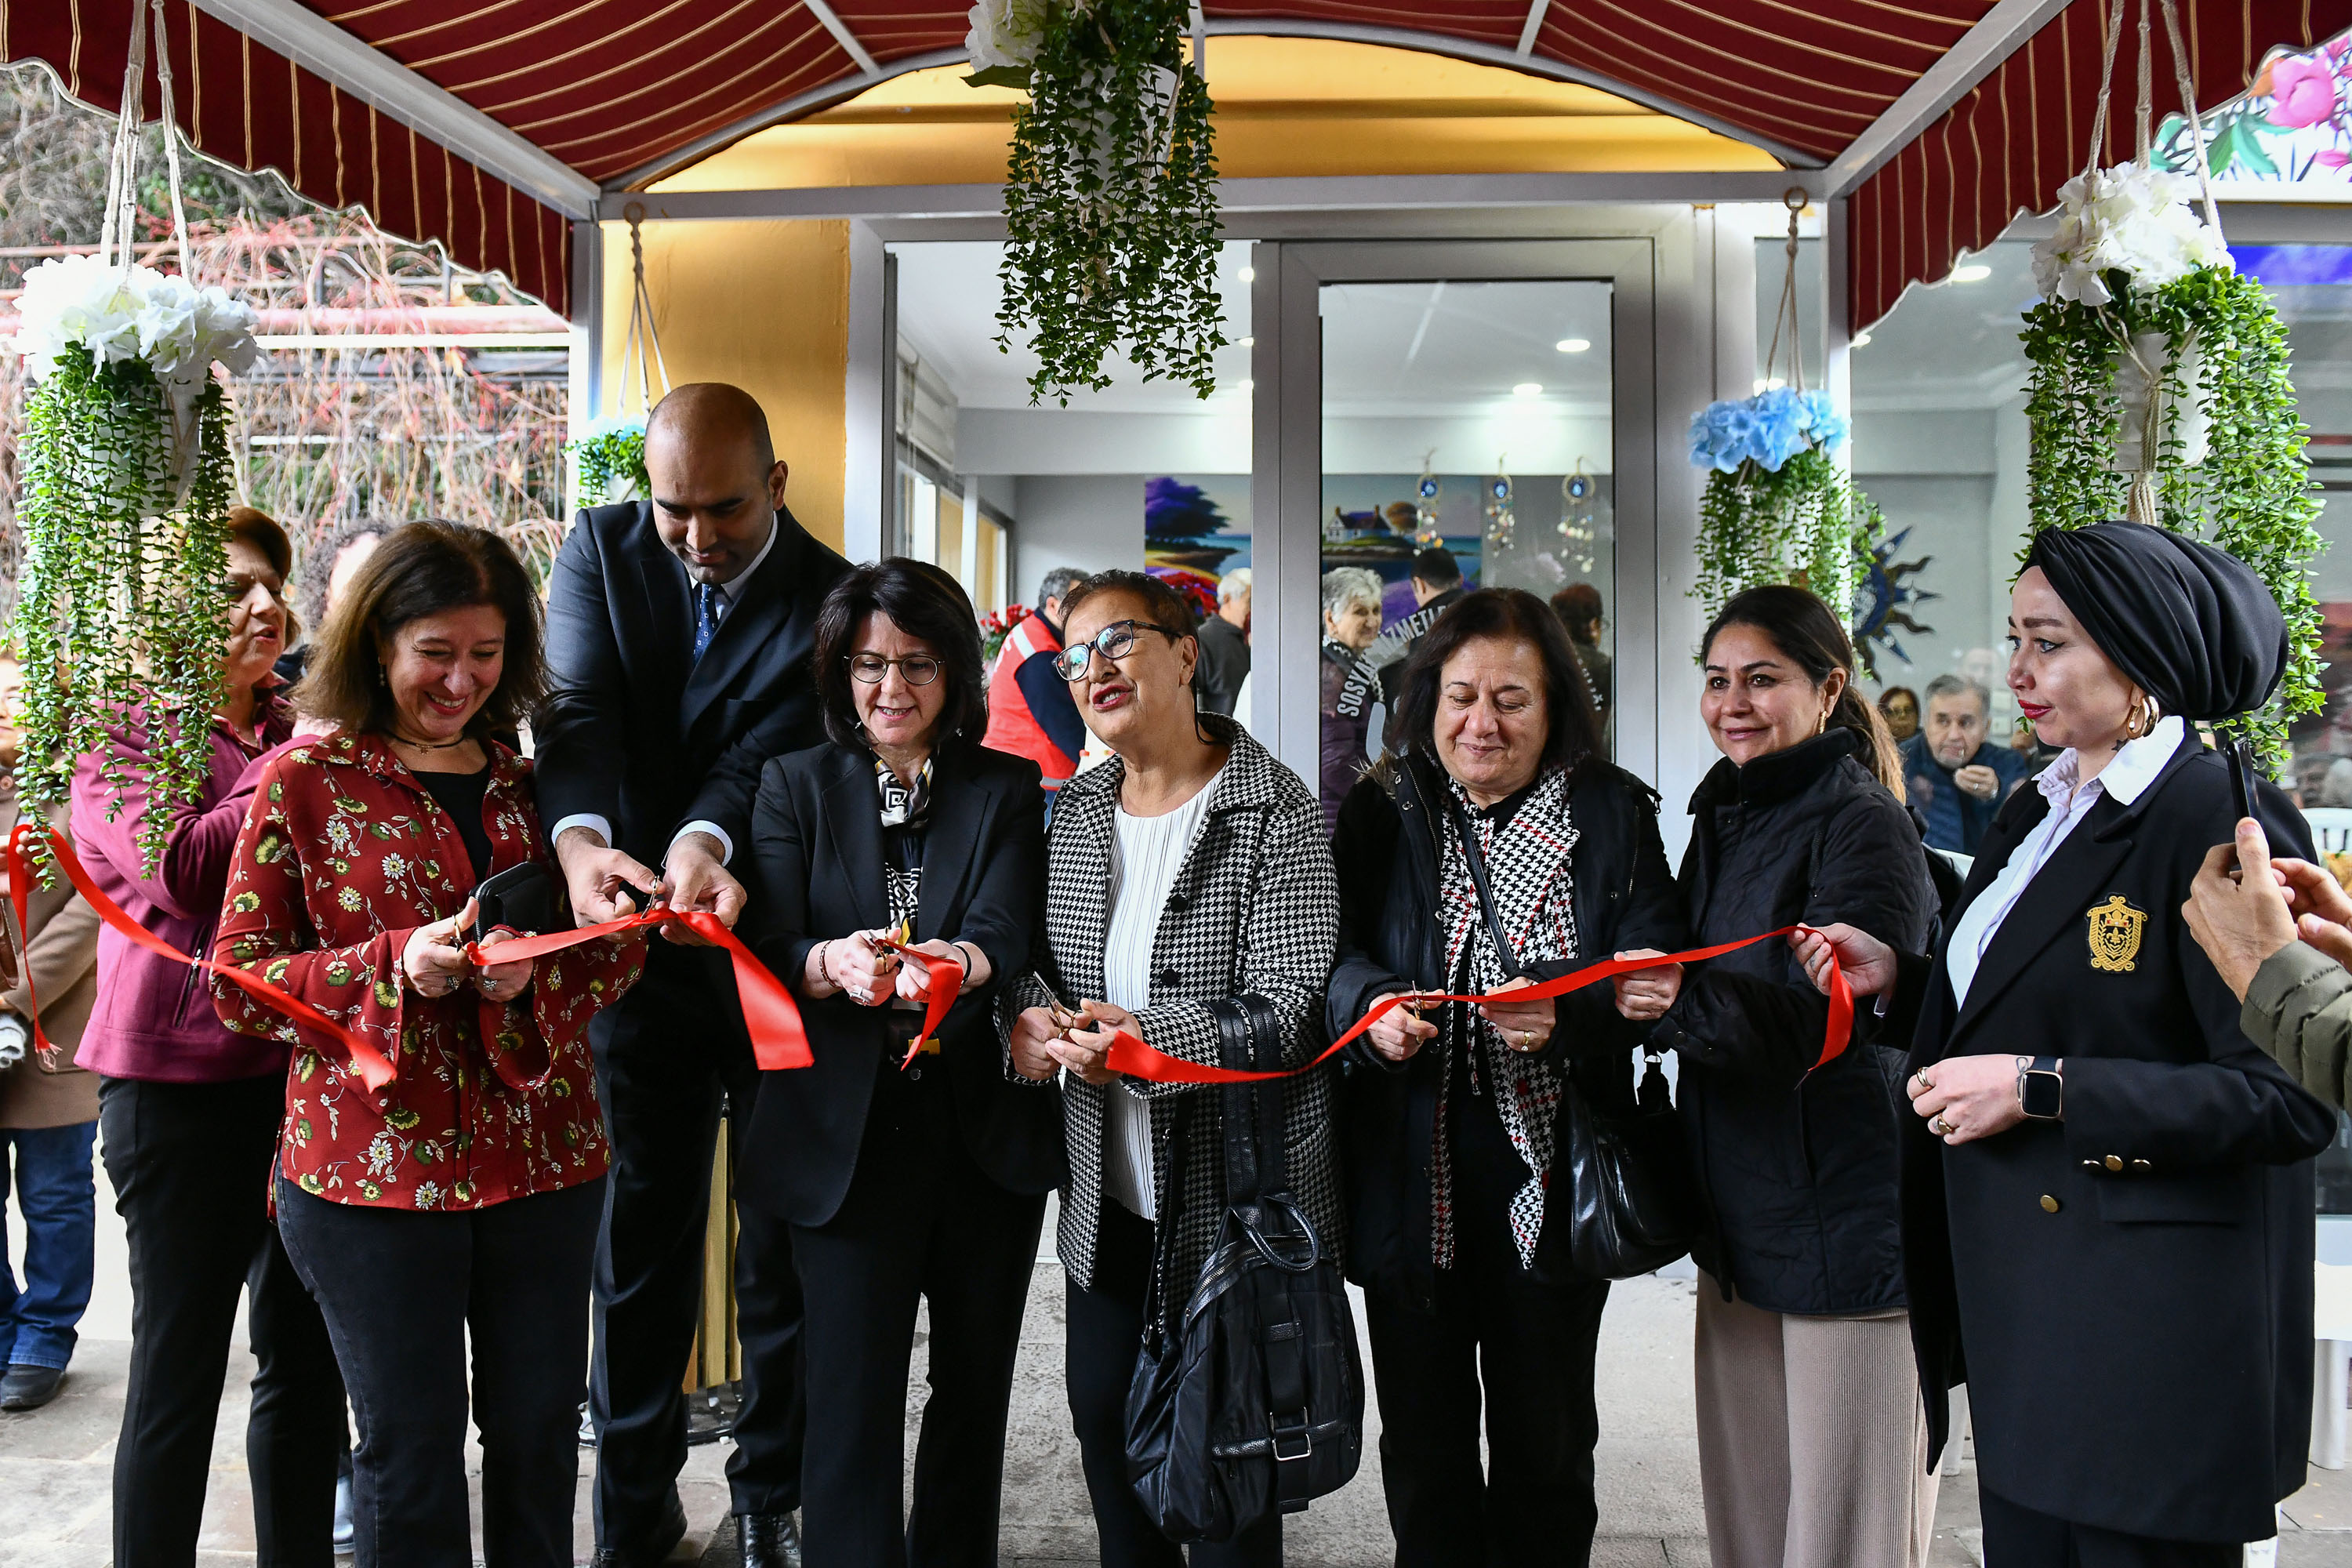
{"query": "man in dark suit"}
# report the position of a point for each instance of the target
(679, 631)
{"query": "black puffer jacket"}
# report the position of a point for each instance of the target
(1800, 1171)
(1390, 940)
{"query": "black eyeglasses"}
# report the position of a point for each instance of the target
(1114, 641)
(917, 668)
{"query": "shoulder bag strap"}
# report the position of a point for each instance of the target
(1504, 953)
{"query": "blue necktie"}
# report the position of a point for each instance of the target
(706, 617)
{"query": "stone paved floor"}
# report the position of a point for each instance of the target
(55, 1463)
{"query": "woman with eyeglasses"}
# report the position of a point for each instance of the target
(902, 858)
(1190, 868)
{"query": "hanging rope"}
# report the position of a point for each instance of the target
(2147, 89)
(1784, 315)
(117, 231)
(644, 339)
(2112, 27)
(2196, 121)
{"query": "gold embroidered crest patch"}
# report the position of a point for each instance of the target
(2115, 929)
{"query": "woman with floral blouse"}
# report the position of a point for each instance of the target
(462, 1195)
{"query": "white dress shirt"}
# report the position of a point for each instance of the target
(2127, 779)
(729, 592)
(1146, 854)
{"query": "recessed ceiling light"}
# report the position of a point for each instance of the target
(1974, 273)
(1573, 345)
(1248, 344)
(1247, 274)
(1527, 389)
(1861, 340)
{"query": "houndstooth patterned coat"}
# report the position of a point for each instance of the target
(1254, 909)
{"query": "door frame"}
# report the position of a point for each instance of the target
(1286, 483)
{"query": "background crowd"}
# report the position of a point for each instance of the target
(479, 1189)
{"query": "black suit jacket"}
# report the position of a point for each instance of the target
(815, 872)
(640, 733)
(2132, 1283)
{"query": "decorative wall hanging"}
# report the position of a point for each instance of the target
(2158, 388)
(1501, 525)
(1425, 495)
(1110, 198)
(1778, 508)
(614, 448)
(125, 490)
(1580, 518)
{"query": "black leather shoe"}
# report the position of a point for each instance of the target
(768, 1539)
(28, 1387)
(655, 1549)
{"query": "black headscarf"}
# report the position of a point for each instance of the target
(2190, 624)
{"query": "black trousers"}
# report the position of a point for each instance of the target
(663, 1064)
(404, 1294)
(2018, 1537)
(920, 1219)
(1105, 1330)
(190, 1165)
(1536, 1336)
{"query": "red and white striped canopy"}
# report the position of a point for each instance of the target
(487, 125)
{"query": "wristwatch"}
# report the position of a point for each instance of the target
(2040, 1087)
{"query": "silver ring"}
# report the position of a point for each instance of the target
(1924, 1081)
(489, 986)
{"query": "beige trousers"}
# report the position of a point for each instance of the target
(1812, 1442)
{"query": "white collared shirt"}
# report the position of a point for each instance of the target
(2127, 779)
(729, 592)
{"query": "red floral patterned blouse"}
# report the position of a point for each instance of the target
(344, 856)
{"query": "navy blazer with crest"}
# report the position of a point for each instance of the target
(639, 731)
(2126, 1292)
(814, 869)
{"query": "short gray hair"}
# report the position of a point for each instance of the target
(1346, 586)
(1952, 685)
(1234, 584)
(1056, 584)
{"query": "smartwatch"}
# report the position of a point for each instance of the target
(2040, 1087)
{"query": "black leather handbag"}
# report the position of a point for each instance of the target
(1622, 1185)
(1249, 1400)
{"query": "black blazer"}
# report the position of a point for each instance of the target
(815, 872)
(2132, 1283)
(638, 732)
(1390, 939)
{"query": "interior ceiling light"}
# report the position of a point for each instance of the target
(1527, 389)
(1247, 274)
(1974, 273)
(1861, 340)
(1573, 345)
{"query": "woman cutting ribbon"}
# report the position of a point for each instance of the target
(1190, 868)
(1453, 1125)
(459, 1201)
(2107, 1189)
(901, 858)
(1810, 1431)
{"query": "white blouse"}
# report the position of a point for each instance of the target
(2127, 779)
(1146, 854)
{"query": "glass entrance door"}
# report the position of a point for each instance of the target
(1454, 416)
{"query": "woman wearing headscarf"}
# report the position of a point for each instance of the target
(2107, 1190)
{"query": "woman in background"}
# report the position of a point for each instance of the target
(1350, 691)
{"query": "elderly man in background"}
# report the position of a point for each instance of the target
(1224, 644)
(1030, 710)
(680, 634)
(1958, 779)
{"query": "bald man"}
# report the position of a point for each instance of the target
(678, 635)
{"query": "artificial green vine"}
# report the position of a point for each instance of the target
(604, 456)
(119, 616)
(1110, 202)
(2252, 493)
(1803, 523)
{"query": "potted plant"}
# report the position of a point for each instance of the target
(1777, 508)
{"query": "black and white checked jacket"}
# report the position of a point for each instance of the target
(1254, 909)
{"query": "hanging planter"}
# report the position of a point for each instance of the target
(2159, 390)
(1777, 507)
(125, 476)
(607, 453)
(611, 451)
(1111, 199)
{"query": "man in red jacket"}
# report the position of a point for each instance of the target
(1031, 712)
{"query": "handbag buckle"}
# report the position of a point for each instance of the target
(1296, 1431)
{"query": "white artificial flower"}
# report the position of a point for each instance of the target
(133, 313)
(2128, 218)
(1006, 32)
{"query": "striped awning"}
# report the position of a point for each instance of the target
(489, 125)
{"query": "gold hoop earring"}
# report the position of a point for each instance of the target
(2138, 721)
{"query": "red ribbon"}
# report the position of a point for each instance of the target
(943, 991)
(1132, 1057)
(777, 1039)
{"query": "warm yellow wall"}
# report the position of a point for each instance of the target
(762, 305)
(1284, 107)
